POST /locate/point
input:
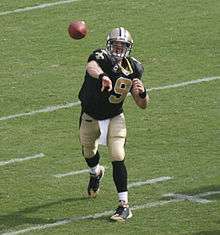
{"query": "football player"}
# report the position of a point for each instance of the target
(110, 75)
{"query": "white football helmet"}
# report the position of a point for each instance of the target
(119, 43)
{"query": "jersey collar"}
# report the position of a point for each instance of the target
(127, 69)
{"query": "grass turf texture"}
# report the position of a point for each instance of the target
(177, 136)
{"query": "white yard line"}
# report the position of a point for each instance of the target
(41, 6)
(44, 110)
(208, 193)
(130, 185)
(73, 173)
(151, 181)
(39, 155)
(208, 79)
(94, 216)
(71, 104)
(106, 213)
(193, 198)
(190, 198)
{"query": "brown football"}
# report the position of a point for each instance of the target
(77, 29)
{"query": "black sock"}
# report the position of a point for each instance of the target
(93, 161)
(120, 176)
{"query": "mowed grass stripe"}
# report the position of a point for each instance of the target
(41, 6)
(87, 217)
(76, 103)
(96, 215)
(108, 213)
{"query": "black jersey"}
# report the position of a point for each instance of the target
(102, 105)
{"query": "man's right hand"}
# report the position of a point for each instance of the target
(106, 84)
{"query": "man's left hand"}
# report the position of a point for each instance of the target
(138, 86)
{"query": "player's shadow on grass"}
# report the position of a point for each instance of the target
(20, 217)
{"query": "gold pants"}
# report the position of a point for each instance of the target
(90, 132)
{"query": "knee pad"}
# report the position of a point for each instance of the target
(89, 135)
(89, 151)
(116, 138)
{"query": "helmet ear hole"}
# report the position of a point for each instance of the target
(128, 45)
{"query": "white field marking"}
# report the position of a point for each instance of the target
(208, 193)
(184, 83)
(73, 173)
(151, 181)
(44, 110)
(192, 198)
(71, 104)
(39, 155)
(108, 213)
(45, 5)
(94, 216)
(188, 198)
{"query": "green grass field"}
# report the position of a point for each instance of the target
(177, 136)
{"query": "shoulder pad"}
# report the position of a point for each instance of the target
(138, 66)
(98, 55)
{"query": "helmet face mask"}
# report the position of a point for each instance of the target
(119, 43)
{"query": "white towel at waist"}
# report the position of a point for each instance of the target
(103, 125)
